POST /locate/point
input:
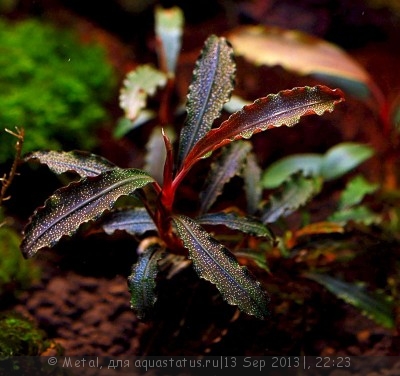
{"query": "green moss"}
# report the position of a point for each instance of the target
(19, 336)
(15, 272)
(52, 85)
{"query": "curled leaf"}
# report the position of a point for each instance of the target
(215, 263)
(82, 163)
(77, 203)
(210, 89)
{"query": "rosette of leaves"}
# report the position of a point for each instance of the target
(53, 85)
(102, 184)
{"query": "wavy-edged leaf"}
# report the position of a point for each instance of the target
(305, 55)
(169, 29)
(254, 255)
(137, 86)
(281, 170)
(156, 153)
(343, 157)
(355, 191)
(135, 221)
(83, 163)
(223, 170)
(77, 203)
(296, 192)
(248, 225)
(213, 82)
(285, 108)
(215, 263)
(252, 183)
(377, 309)
(142, 282)
(359, 214)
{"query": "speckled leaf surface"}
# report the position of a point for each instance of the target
(82, 163)
(213, 82)
(248, 225)
(285, 108)
(135, 221)
(215, 263)
(77, 203)
(223, 170)
(142, 282)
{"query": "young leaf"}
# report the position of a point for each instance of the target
(285, 108)
(135, 221)
(215, 263)
(138, 84)
(82, 163)
(223, 170)
(252, 186)
(305, 55)
(142, 283)
(309, 164)
(213, 82)
(355, 191)
(343, 157)
(77, 203)
(377, 309)
(295, 193)
(156, 153)
(169, 29)
(249, 225)
(358, 214)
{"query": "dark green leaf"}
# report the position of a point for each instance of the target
(379, 310)
(215, 263)
(223, 170)
(135, 221)
(82, 163)
(252, 186)
(78, 203)
(285, 108)
(249, 225)
(295, 193)
(142, 282)
(211, 87)
(343, 157)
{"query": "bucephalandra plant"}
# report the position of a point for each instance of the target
(102, 184)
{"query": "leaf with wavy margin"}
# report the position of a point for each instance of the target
(377, 309)
(213, 82)
(80, 162)
(215, 263)
(135, 221)
(285, 108)
(142, 282)
(77, 203)
(223, 170)
(248, 225)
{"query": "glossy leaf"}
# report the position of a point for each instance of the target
(213, 82)
(137, 86)
(285, 108)
(169, 29)
(135, 221)
(222, 171)
(252, 185)
(248, 225)
(77, 203)
(343, 157)
(296, 192)
(305, 55)
(215, 263)
(377, 309)
(281, 170)
(156, 153)
(142, 282)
